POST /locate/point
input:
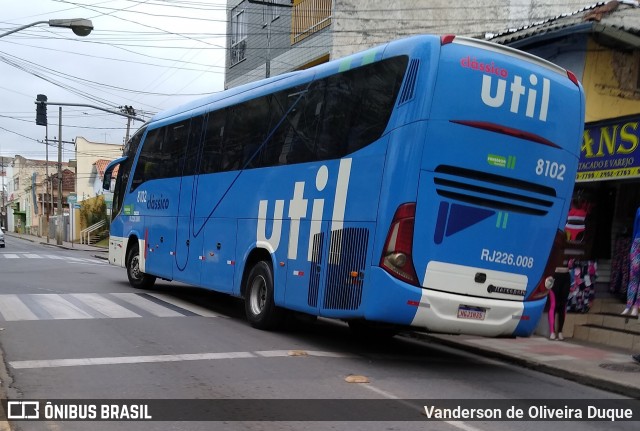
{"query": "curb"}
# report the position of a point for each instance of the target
(575, 376)
(64, 247)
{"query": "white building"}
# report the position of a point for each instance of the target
(87, 154)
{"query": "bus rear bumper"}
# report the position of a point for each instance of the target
(444, 312)
(449, 313)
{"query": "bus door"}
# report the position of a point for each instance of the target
(188, 254)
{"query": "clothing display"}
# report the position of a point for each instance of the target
(583, 285)
(633, 294)
(620, 266)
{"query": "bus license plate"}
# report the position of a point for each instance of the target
(473, 313)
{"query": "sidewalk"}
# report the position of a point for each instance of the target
(101, 252)
(594, 365)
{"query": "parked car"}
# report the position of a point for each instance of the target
(1, 238)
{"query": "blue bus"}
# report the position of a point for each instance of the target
(419, 184)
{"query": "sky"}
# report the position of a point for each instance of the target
(148, 54)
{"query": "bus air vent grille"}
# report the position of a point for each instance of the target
(347, 255)
(410, 82)
(493, 191)
(314, 272)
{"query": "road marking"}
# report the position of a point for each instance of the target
(146, 305)
(119, 360)
(70, 259)
(200, 311)
(58, 307)
(104, 306)
(95, 306)
(457, 424)
(12, 308)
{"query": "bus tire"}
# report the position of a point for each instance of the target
(259, 304)
(137, 278)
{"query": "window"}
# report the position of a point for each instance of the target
(327, 119)
(212, 147)
(173, 150)
(131, 147)
(337, 115)
(238, 34)
(124, 170)
(193, 146)
(247, 128)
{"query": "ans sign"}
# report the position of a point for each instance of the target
(610, 150)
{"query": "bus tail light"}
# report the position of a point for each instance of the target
(446, 39)
(573, 77)
(555, 260)
(397, 259)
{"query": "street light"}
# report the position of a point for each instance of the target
(80, 26)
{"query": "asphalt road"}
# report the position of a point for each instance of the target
(72, 328)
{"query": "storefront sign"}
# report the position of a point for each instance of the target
(610, 150)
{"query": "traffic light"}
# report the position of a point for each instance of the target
(41, 110)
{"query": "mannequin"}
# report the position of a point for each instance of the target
(633, 296)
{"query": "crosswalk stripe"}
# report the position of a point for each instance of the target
(145, 304)
(22, 307)
(201, 311)
(59, 308)
(12, 309)
(54, 257)
(104, 306)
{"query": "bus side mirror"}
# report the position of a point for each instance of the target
(108, 173)
(106, 181)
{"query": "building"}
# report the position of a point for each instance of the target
(33, 197)
(601, 45)
(87, 155)
(286, 35)
(6, 173)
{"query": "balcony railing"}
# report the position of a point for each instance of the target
(309, 17)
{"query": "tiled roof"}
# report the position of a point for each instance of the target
(101, 165)
(622, 16)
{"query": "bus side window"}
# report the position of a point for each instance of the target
(193, 146)
(277, 150)
(305, 121)
(375, 88)
(232, 140)
(149, 161)
(173, 149)
(211, 161)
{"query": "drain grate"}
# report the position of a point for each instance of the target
(623, 368)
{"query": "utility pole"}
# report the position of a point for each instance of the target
(130, 114)
(60, 212)
(2, 209)
(46, 178)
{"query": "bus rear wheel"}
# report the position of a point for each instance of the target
(137, 278)
(259, 304)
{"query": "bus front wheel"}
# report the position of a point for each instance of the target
(259, 305)
(137, 278)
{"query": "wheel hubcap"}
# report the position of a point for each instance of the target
(135, 267)
(258, 295)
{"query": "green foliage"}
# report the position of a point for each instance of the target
(93, 211)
